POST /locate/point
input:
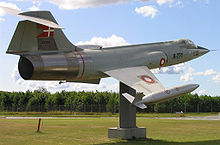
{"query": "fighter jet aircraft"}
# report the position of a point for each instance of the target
(46, 54)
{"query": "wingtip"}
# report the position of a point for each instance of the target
(20, 14)
(11, 11)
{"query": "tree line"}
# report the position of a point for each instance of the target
(42, 100)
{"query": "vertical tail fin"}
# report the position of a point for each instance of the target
(39, 33)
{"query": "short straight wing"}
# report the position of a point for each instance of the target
(139, 78)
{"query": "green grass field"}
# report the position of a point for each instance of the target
(95, 114)
(94, 131)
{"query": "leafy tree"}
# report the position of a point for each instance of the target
(42, 100)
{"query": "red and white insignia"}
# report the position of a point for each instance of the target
(177, 89)
(162, 61)
(167, 91)
(47, 31)
(147, 79)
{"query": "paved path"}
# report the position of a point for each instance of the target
(191, 118)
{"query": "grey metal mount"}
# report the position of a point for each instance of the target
(127, 118)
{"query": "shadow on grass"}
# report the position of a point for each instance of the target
(160, 142)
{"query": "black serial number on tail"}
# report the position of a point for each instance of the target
(45, 42)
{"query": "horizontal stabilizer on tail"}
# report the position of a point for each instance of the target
(33, 17)
(40, 21)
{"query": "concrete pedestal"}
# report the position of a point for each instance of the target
(127, 133)
(127, 118)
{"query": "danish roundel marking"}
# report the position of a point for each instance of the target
(147, 79)
(162, 61)
(167, 91)
(177, 89)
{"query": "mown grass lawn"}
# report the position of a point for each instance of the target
(96, 114)
(94, 131)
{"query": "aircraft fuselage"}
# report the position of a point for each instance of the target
(88, 64)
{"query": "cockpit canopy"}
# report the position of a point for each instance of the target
(188, 43)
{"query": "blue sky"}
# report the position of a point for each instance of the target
(119, 22)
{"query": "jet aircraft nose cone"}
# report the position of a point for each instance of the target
(202, 50)
(195, 86)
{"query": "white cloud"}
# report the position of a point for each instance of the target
(216, 78)
(187, 77)
(147, 11)
(198, 73)
(176, 69)
(36, 5)
(9, 5)
(179, 68)
(178, 3)
(2, 12)
(108, 87)
(76, 4)
(210, 72)
(206, 1)
(2, 19)
(190, 73)
(34, 8)
(201, 92)
(113, 40)
(161, 2)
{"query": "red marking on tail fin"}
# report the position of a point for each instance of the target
(47, 31)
